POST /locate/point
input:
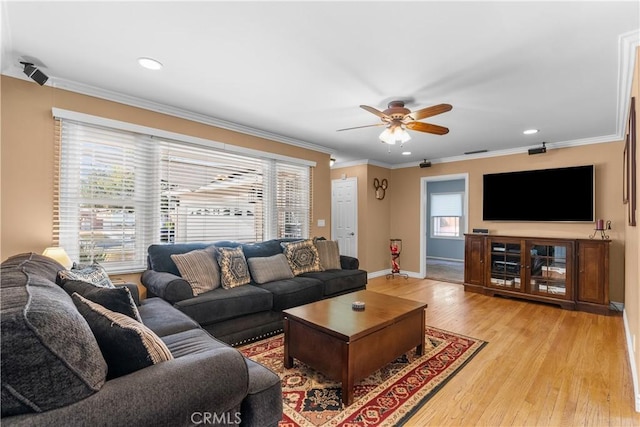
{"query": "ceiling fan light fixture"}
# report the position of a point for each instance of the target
(398, 134)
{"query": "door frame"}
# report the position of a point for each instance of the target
(424, 181)
(353, 179)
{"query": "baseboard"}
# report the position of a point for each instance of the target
(632, 361)
(445, 259)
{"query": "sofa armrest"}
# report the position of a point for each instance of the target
(173, 393)
(349, 262)
(167, 286)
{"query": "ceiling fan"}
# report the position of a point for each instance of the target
(397, 118)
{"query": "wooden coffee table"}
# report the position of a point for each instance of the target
(348, 345)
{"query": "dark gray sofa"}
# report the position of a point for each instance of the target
(249, 312)
(53, 372)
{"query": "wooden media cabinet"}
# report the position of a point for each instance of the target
(572, 273)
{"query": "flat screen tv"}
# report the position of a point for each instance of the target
(554, 195)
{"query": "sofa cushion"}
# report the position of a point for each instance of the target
(268, 269)
(293, 292)
(126, 344)
(94, 274)
(234, 270)
(302, 256)
(338, 282)
(160, 316)
(50, 357)
(262, 249)
(159, 255)
(221, 304)
(116, 299)
(329, 254)
(191, 342)
(199, 268)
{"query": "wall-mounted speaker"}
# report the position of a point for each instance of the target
(539, 150)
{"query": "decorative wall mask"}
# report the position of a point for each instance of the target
(380, 187)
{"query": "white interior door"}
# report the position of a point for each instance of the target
(344, 215)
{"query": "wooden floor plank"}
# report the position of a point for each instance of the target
(543, 366)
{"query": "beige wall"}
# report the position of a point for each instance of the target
(373, 214)
(632, 254)
(27, 157)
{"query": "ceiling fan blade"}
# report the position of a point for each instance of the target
(376, 112)
(427, 127)
(360, 127)
(430, 111)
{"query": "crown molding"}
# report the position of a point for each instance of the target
(133, 101)
(360, 162)
(627, 45)
(519, 150)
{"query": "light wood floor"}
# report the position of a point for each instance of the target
(543, 366)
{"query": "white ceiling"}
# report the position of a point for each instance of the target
(300, 70)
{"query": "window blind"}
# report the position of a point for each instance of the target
(208, 195)
(446, 204)
(120, 191)
(104, 213)
(292, 200)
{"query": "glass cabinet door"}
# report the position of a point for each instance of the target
(505, 269)
(549, 274)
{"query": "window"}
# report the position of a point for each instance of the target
(446, 215)
(120, 191)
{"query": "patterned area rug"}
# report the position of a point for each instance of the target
(388, 397)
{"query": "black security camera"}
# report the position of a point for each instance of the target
(35, 74)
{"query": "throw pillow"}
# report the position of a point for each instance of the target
(118, 299)
(233, 267)
(93, 273)
(268, 269)
(302, 256)
(126, 344)
(329, 254)
(199, 268)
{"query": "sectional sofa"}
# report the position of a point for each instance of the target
(55, 370)
(244, 313)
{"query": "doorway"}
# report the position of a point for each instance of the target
(443, 223)
(344, 215)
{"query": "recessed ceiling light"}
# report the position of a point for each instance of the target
(149, 63)
(406, 153)
(530, 131)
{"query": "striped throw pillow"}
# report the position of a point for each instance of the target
(126, 344)
(329, 254)
(268, 269)
(199, 268)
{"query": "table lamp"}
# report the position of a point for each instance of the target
(60, 255)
